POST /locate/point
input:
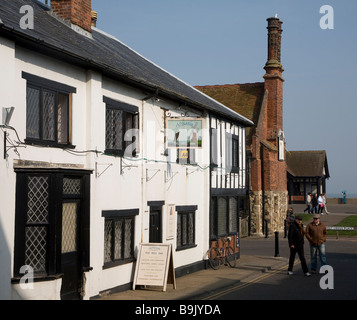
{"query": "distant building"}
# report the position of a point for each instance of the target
(262, 103)
(307, 171)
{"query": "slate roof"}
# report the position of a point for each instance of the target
(103, 53)
(307, 163)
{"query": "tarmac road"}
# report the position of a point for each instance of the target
(261, 275)
(277, 285)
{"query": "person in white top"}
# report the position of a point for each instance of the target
(325, 207)
(321, 202)
(308, 202)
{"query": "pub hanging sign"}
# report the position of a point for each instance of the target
(184, 133)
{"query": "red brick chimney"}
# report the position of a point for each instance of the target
(275, 176)
(274, 80)
(77, 12)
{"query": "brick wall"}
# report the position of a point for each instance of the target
(77, 12)
(275, 200)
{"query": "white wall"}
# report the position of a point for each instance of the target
(7, 185)
(140, 181)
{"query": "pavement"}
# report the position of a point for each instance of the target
(257, 259)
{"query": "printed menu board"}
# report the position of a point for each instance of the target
(154, 265)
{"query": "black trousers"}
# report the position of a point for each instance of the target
(300, 252)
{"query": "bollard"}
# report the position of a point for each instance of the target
(266, 229)
(276, 244)
(285, 228)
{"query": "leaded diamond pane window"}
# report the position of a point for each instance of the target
(69, 227)
(179, 233)
(37, 222)
(37, 205)
(191, 228)
(35, 248)
(71, 186)
(114, 129)
(128, 233)
(33, 113)
(48, 122)
(122, 120)
(235, 154)
(185, 229)
(233, 215)
(107, 241)
(118, 252)
(47, 115)
(222, 216)
(118, 239)
(63, 118)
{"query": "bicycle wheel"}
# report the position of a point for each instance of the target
(231, 257)
(214, 258)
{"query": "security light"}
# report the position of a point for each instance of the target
(7, 114)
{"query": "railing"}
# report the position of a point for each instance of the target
(337, 229)
(341, 228)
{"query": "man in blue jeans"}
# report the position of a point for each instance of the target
(316, 233)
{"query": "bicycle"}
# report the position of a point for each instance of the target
(225, 255)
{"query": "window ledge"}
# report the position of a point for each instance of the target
(39, 278)
(186, 247)
(113, 264)
(48, 144)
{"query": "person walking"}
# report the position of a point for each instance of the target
(314, 203)
(321, 203)
(296, 245)
(308, 203)
(289, 217)
(316, 234)
(325, 202)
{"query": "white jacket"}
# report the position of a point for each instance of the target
(321, 200)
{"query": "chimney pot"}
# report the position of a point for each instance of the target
(274, 43)
(94, 18)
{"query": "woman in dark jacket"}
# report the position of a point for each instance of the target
(314, 204)
(296, 245)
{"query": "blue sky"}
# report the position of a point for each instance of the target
(220, 42)
(225, 42)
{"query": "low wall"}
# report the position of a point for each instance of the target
(340, 200)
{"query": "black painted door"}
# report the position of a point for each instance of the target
(155, 226)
